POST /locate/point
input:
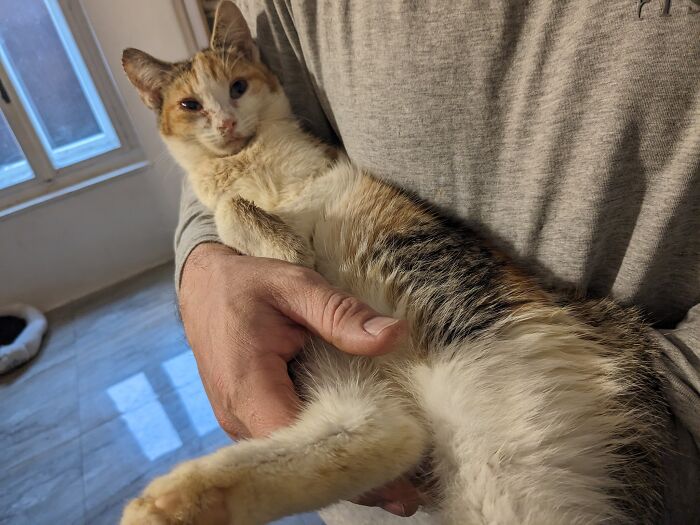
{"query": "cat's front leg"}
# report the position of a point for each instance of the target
(355, 434)
(245, 227)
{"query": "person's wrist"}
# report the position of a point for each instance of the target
(201, 260)
(204, 251)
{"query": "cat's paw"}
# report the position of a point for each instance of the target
(179, 498)
(143, 511)
(300, 255)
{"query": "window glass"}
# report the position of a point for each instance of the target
(44, 63)
(14, 167)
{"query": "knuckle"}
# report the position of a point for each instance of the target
(300, 274)
(223, 421)
(225, 415)
(295, 284)
(339, 308)
(232, 429)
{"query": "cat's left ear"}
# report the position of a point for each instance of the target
(149, 76)
(231, 30)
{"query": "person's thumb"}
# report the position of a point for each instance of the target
(344, 321)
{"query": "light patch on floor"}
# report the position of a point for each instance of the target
(149, 424)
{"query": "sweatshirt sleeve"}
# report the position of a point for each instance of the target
(195, 226)
(680, 364)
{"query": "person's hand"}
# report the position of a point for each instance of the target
(247, 317)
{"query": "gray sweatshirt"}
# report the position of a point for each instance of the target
(568, 131)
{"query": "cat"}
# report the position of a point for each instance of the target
(526, 407)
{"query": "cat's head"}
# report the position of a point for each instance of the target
(214, 103)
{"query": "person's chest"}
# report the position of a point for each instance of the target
(570, 130)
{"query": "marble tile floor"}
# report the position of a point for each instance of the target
(112, 400)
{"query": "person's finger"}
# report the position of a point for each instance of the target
(265, 396)
(399, 497)
(230, 424)
(343, 320)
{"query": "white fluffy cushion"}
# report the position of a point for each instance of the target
(27, 343)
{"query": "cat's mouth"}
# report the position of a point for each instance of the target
(231, 145)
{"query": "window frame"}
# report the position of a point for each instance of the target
(193, 24)
(49, 181)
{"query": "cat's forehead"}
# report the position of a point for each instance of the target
(210, 66)
(207, 68)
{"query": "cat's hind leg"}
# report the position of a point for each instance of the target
(524, 431)
(353, 436)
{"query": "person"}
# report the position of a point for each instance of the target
(568, 131)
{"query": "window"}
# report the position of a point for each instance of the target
(62, 122)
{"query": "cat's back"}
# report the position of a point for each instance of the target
(388, 246)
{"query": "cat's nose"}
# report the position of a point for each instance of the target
(227, 126)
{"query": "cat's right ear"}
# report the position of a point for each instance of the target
(231, 30)
(148, 75)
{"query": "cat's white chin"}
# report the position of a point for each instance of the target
(230, 146)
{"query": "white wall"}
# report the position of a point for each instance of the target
(64, 249)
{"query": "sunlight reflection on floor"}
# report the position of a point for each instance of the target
(182, 370)
(145, 416)
(148, 423)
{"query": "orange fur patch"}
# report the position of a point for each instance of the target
(220, 66)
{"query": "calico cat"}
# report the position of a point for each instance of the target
(527, 408)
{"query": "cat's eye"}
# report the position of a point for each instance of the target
(238, 88)
(190, 104)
